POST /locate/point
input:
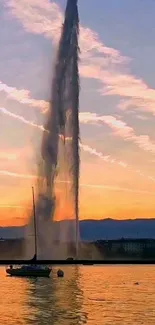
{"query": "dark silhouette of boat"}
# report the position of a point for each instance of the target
(29, 271)
(32, 270)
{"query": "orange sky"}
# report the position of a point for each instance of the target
(117, 108)
(105, 191)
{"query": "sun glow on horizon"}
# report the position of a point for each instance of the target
(117, 110)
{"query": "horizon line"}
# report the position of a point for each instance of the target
(87, 220)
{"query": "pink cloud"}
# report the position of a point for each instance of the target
(97, 60)
(84, 147)
(23, 96)
(119, 128)
(135, 92)
(44, 17)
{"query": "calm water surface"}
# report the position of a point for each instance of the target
(86, 295)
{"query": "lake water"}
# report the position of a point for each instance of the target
(86, 295)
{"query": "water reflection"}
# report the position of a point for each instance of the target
(55, 300)
(86, 295)
(12, 302)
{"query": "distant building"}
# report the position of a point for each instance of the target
(128, 246)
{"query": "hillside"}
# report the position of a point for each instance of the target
(91, 230)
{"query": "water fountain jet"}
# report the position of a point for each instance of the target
(60, 148)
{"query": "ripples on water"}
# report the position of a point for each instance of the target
(86, 295)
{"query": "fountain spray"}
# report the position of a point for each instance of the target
(60, 142)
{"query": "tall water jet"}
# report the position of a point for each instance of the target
(58, 190)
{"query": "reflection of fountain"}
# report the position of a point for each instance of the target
(56, 301)
(57, 196)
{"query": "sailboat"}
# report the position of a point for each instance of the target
(30, 270)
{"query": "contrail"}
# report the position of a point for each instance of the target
(91, 186)
(7, 206)
(21, 118)
(84, 147)
(12, 174)
(116, 188)
(100, 155)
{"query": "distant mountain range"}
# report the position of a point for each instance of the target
(92, 230)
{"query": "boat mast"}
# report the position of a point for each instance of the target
(77, 238)
(34, 214)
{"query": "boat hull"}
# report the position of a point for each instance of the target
(28, 273)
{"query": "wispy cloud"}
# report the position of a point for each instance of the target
(91, 186)
(135, 93)
(142, 117)
(84, 147)
(6, 155)
(139, 102)
(20, 118)
(120, 128)
(44, 11)
(12, 174)
(23, 96)
(97, 61)
(7, 206)
(100, 155)
(109, 159)
(44, 17)
(116, 188)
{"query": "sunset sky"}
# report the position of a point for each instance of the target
(117, 104)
